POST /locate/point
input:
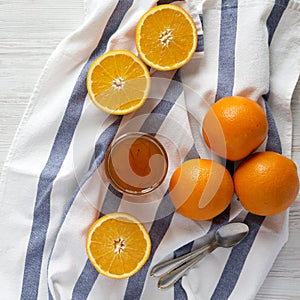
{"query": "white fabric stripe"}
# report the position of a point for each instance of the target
(111, 291)
(123, 37)
(200, 78)
(262, 147)
(201, 73)
(193, 8)
(65, 253)
(252, 74)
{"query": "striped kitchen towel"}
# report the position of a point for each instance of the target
(52, 184)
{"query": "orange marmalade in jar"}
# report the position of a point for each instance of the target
(136, 163)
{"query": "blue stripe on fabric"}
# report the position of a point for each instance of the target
(273, 140)
(226, 69)
(103, 142)
(41, 216)
(225, 215)
(201, 20)
(236, 260)
(193, 153)
(200, 43)
(226, 75)
(239, 253)
(160, 2)
(275, 16)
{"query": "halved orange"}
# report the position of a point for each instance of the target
(118, 245)
(118, 82)
(166, 37)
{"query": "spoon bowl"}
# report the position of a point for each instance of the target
(231, 234)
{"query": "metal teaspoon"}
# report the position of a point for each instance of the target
(226, 236)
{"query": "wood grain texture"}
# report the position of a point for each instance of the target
(29, 32)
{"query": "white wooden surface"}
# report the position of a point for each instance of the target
(29, 31)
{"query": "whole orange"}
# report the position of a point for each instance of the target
(266, 183)
(201, 189)
(234, 127)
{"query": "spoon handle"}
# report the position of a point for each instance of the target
(171, 277)
(159, 270)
